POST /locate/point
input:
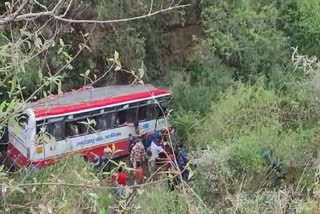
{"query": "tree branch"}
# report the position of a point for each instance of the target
(54, 11)
(63, 67)
(100, 78)
(19, 9)
(68, 8)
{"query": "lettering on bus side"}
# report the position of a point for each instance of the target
(97, 139)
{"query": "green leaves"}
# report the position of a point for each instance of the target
(86, 35)
(301, 23)
(142, 70)
(116, 60)
(38, 43)
(86, 76)
(61, 42)
(246, 36)
(16, 128)
(13, 84)
(4, 51)
(116, 56)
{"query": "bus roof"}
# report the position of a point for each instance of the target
(90, 98)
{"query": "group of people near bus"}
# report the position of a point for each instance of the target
(152, 155)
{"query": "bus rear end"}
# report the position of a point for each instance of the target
(20, 133)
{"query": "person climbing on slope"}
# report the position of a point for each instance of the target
(275, 171)
(131, 142)
(121, 180)
(182, 161)
(139, 175)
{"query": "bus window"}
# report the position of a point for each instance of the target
(84, 126)
(147, 112)
(151, 112)
(162, 109)
(56, 130)
(121, 117)
(105, 121)
(23, 121)
(72, 129)
(142, 113)
(131, 115)
(79, 127)
(101, 121)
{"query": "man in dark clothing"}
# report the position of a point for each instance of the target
(96, 161)
(131, 142)
(182, 161)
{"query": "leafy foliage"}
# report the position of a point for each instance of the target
(51, 190)
(245, 35)
(238, 96)
(300, 20)
(159, 200)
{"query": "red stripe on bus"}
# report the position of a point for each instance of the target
(98, 103)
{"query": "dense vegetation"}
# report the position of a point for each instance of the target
(248, 84)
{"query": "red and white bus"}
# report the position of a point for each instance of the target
(65, 119)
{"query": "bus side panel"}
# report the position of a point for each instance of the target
(95, 143)
(148, 126)
(162, 123)
(121, 148)
(85, 143)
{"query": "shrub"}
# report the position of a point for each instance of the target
(245, 35)
(158, 200)
(238, 111)
(202, 82)
(51, 190)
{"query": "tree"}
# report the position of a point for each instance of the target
(301, 23)
(245, 36)
(37, 54)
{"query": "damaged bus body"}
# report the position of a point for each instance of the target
(84, 122)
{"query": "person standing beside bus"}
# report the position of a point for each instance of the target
(131, 142)
(138, 153)
(155, 148)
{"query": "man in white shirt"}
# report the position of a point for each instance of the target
(153, 154)
(155, 150)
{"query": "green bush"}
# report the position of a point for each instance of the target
(200, 84)
(238, 111)
(51, 190)
(156, 200)
(245, 35)
(301, 22)
(240, 126)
